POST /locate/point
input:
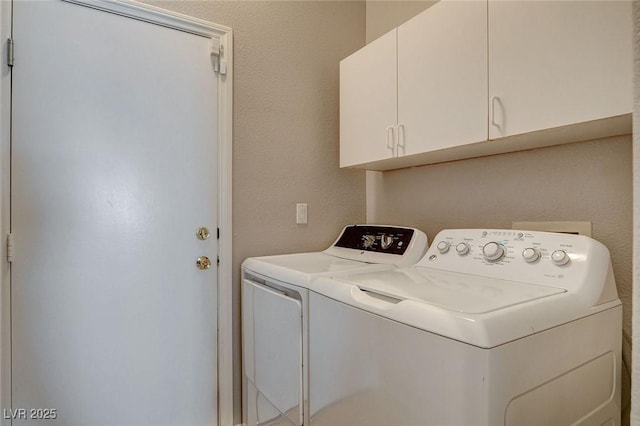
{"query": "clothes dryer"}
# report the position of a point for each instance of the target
(491, 327)
(275, 297)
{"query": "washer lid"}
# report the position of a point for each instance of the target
(453, 291)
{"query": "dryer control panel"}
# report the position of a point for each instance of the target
(552, 259)
(397, 245)
(385, 239)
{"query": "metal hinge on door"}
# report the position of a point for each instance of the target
(217, 52)
(9, 248)
(10, 57)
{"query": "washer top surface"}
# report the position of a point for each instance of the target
(487, 287)
(358, 248)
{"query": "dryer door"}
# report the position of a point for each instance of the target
(272, 337)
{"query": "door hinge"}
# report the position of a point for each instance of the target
(217, 53)
(218, 233)
(10, 54)
(218, 260)
(9, 247)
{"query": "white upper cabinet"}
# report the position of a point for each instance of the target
(471, 78)
(558, 63)
(442, 78)
(368, 103)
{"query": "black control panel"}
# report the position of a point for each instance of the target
(381, 239)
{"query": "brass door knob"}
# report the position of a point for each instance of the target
(203, 262)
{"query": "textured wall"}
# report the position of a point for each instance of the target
(285, 147)
(383, 16)
(635, 407)
(587, 181)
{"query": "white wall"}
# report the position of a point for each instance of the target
(285, 147)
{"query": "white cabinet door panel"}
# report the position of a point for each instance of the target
(368, 102)
(556, 63)
(442, 77)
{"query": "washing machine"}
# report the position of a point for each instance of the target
(275, 302)
(491, 327)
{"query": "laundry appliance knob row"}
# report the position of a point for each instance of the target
(494, 251)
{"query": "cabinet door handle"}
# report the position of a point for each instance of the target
(494, 99)
(391, 140)
(401, 138)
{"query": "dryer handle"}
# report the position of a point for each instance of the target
(275, 288)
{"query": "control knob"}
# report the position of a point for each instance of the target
(368, 240)
(530, 254)
(493, 251)
(386, 241)
(443, 246)
(560, 257)
(462, 248)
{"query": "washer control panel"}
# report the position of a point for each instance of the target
(525, 256)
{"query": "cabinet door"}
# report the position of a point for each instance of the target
(442, 77)
(554, 63)
(368, 102)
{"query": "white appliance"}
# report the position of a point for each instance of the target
(275, 297)
(491, 327)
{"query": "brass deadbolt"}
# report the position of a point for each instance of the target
(203, 233)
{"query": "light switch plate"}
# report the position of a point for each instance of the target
(301, 213)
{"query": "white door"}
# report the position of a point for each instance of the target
(113, 172)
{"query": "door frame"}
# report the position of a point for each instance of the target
(219, 34)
